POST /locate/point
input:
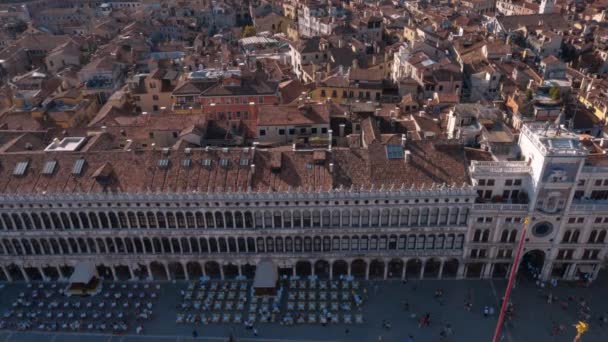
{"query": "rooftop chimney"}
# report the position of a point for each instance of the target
(407, 156)
(403, 140)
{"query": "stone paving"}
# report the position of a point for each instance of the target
(533, 316)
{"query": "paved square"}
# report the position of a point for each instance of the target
(533, 318)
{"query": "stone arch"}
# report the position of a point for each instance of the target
(322, 269)
(395, 268)
(431, 268)
(248, 271)
(450, 268)
(176, 271)
(15, 272)
(231, 271)
(158, 271)
(194, 270)
(413, 268)
(122, 272)
(376, 269)
(339, 268)
(303, 268)
(358, 268)
(212, 270)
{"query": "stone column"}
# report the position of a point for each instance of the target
(487, 270)
(461, 270)
(222, 272)
(331, 269)
(367, 271)
(422, 270)
(403, 271)
(440, 274)
(44, 277)
(385, 271)
(348, 268)
(185, 267)
(8, 275)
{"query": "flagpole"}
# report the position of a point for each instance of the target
(514, 268)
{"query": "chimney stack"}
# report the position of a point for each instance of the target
(403, 140)
(342, 127)
(407, 156)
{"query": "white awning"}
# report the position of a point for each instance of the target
(586, 268)
(83, 273)
(266, 275)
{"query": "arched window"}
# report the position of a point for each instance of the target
(286, 219)
(385, 217)
(141, 220)
(592, 236)
(297, 219)
(601, 237)
(151, 220)
(356, 218)
(85, 220)
(335, 218)
(238, 219)
(190, 223)
(485, 237)
(575, 236)
(200, 219)
(345, 218)
(229, 220)
(513, 235)
(316, 218)
(27, 223)
(132, 220)
(440, 241)
(160, 219)
(326, 218)
(566, 237)
(114, 224)
(504, 236)
(18, 223)
(171, 222)
(477, 235)
(405, 215)
(434, 216)
(64, 219)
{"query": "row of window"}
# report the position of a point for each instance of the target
(184, 245)
(302, 130)
(588, 254)
(491, 182)
(351, 94)
(596, 236)
(237, 219)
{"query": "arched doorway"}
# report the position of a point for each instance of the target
(104, 272)
(212, 270)
(176, 271)
(52, 273)
(32, 273)
(141, 272)
(431, 268)
(322, 269)
(357, 269)
(303, 269)
(413, 267)
(122, 273)
(450, 269)
(158, 271)
(194, 270)
(231, 271)
(395, 268)
(15, 272)
(500, 270)
(474, 270)
(376, 269)
(248, 271)
(532, 263)
(340, 268)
